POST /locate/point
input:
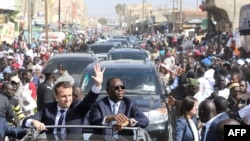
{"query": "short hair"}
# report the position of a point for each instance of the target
(221, 104)
(64, 84)
(187, 104)
(109, 81)
(6, 85)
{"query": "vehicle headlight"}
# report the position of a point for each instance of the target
(157, 116)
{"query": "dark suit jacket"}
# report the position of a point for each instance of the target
(74, 116)
(5, 108)
(7, 130)
(128, 107)
(183, 131)
(211, 133)
(45, 94)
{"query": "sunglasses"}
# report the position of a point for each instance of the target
(118, 87)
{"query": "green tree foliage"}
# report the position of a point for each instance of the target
(103, 21)
(120, 10)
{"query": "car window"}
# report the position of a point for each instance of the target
(136, 82)
(100, 49)
(128, 55)
(74, 67)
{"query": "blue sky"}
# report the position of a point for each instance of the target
(106, 8)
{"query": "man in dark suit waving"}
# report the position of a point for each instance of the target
(116, 110)
(64, 111)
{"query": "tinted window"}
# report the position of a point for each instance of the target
(100, 49)
(128, 55)
(136, 81)
(74, 67)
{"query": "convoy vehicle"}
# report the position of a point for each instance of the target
(143, 85)
(75, 62)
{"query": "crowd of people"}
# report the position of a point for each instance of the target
(207, 84)
(33, 97)
(208, 88)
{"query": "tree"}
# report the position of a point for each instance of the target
(103, 21)
(120, 10)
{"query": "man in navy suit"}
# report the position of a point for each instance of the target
(127, 113)
(211, 113)
(64, 110)
(6, 130)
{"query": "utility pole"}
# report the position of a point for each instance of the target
(180, 14)
(173, 16)
(143, 10)
(29, 21)
(59, 15)
(46, 20)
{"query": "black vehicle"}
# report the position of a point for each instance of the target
(34, 135)
(143, 85)
(124, 42)
(127, 53)
(101, 49)
(75, 62)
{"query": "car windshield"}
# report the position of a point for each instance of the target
(135, 82)
(101, 49)
(128, 55)
(74, 67)
(124, 42)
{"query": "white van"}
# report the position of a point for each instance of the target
(57, 37)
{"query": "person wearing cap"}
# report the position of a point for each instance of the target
(16, 83)
(45, 92)
(209, 74)
(64, 75)
(191, 86)
(235, 100)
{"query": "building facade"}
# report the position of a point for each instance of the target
(223, 14)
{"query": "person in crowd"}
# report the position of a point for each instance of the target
(221, 126)
(8, 91)
(6, 108)
(203, 82)
(77, 93)
(244, 94)
(220, 88)
(186, 125)
(70, 113)
(29, 84)
(45, 93)
(208, 115)
(155, 54)
(15, 81)
(221, 105)
(116, 110)
(8, 68)
(27, 61)
(209, 74)
(235, 101)
(164, 74)
(191, 88)
(235, 77)
(243, 115)
(169, 58)
(10, 131)
(64, 75)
